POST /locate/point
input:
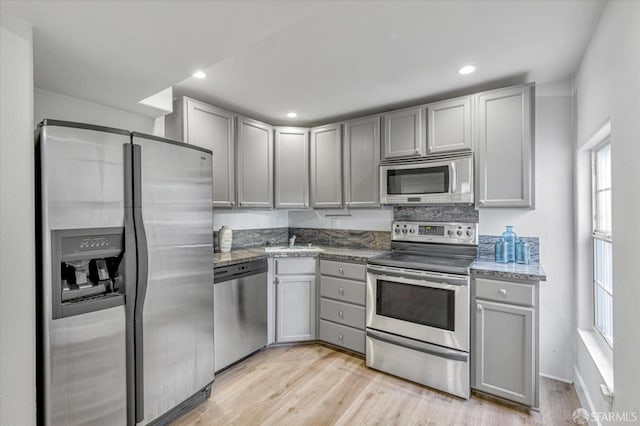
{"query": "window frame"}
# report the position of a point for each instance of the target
(597, 235)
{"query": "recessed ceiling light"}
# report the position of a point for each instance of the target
(200, 74)
(467, 69)
(292, 114)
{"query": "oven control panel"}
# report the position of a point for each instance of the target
(435, 232)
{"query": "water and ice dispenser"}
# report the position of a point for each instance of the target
(88, 270)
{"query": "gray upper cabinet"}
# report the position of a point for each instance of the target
(361, 158)
(505, 147)
(326, 166)
(200, 124)
(255, 163)
(403, 133)
(449, 125)
(291, 168)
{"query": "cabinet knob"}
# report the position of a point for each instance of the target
(479, 307)
(341, 314)
(502, 292)
(341, 270)
(340, 336)
(341, 291)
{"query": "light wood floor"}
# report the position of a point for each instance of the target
(316, 385)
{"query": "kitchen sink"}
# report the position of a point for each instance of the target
(293, 249)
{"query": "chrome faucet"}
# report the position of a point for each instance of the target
(292, 241)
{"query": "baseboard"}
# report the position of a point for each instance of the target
(583, 395)
(557, 379)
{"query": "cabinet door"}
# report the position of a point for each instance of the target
(204, 125)
(361, 158)
(403, 133)
(292, 168)
(255, 164)
(326, 166)
(295, 308)
(505, 148)
(449, 125)
(504, 357)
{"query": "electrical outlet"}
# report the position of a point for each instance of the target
(335, 223)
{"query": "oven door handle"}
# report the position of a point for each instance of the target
(413, 275)
(427, 348)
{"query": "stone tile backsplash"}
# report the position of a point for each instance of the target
(255, 237)
(374, 240)
(440, 213)
(242, 238)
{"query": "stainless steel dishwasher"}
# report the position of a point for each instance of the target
(240, 311)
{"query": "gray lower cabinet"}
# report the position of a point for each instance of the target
(449, 125)
(210, 127)
(505, 147)
(326, 166)
(295, 300)
(342, 304)
(505, 340)
(361, 158)
(291, 168)
(403, 133)
(255, 163)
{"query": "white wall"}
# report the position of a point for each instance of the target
(17, 240)
(552, 222)
(60, 107)
(250, 219)
(607, 87)
(360, 219)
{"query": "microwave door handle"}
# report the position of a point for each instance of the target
(453, 177)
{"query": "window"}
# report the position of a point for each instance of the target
(602, 243)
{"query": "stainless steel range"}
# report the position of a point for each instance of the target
(418, 305)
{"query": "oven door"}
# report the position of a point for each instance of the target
(426, 306)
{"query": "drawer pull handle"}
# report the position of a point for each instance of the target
(340, 336)
(341, 314)
(341, 291)
(502, 292)
(341, 270)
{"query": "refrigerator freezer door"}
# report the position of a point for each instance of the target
(82, 379)
(177, 316)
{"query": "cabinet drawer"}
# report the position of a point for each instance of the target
(343, 290)
(506, 292)
(343, 313)
(341, 335)
(352, 271)
(295, 266)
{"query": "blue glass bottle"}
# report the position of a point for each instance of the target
(523, 252)
(510, 237)
(501, 251)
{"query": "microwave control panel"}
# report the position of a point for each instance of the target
(435, 232)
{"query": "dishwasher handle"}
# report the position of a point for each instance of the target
(242, 270)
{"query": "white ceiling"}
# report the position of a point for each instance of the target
(323, 59)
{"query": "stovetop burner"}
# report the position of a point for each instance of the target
(449, 265)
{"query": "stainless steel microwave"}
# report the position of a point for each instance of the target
(446, 180)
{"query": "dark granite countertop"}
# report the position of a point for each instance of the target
(355, 255)
(483, 267)
(487, 268)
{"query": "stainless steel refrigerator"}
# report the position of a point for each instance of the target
(125, 275)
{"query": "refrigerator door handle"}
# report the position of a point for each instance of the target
(131, 278)
(143, 272)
